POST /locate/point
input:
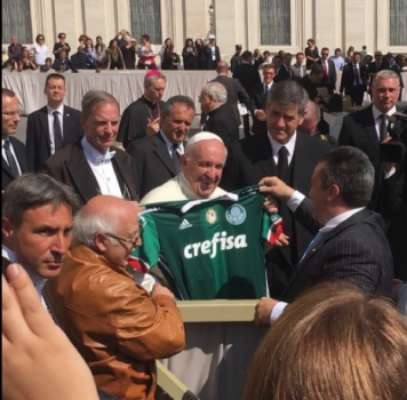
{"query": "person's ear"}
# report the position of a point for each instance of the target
(334, 191)
(100, 243)
(7, 228)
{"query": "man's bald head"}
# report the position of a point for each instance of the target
(222, 68)
(101, 215)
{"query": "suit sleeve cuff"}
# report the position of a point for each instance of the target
(295, 200)
(278, 309)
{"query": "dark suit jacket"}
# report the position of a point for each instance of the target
(38, 142)
(348, 78)
(248, 76)
(260, 99)
(68, 165)
(357, 250)
(238, 170)
(308, 151)
(283, 73)
(6, 174)
(236, 93)
(330, 81)
(152, 161)
(134, 120)
(358, 130)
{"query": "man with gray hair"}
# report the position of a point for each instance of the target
(142, 117)
(37, 213)
(350, 241)
(118, 327)
(93, 165)
(367, 129)
(290, 154)
(157, 157)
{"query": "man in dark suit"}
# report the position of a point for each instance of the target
(37, 217)
(354, 79)
(142, 117)
(156, 157)
(292, 155)
(53, 126)
(93, 165)
(237, 171)
(351, 242)
(269, 72)
(329, 70)
(366, 130)
(248, 75)
(212, 52)
(13, 157)
(235, 91)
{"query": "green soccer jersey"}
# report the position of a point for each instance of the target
(209, 248)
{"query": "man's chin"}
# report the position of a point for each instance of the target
(49, 270)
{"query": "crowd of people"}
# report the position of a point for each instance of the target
(311, 226)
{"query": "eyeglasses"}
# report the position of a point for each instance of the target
(122, 240)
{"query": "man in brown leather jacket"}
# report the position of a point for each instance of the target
(117, 326)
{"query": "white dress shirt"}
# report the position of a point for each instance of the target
(290, 146)
(3, 154)
(331, 224)
(102, 167)
(50, 110)
(37, 280)
(170, 146)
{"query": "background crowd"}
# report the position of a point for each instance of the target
(69, 193)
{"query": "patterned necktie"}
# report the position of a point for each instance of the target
(11, 161)
(176, 155)
(383, 127)
(57, 131)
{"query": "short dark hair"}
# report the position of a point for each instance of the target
(179, 99)
(93, 97)
(7, 93)
(54, 75)
(35, 190)
(350, 169)
(288, 92)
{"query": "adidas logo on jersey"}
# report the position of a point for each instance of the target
(184, 224)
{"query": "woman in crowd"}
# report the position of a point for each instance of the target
(311, 54)
(349, 54)
(40, 50)
(128, 49)
(334, 342)
(26, 62)
(189, 55)
(90, 52)
(115, 56)
(169, 59)
(201, 54)
(146, 54)
(100, 50)
(60, 45)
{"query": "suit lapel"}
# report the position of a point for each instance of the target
(160, 149)
(81, 174)
(19, 150)
(45, 127)
(6, 168)
(123, 177)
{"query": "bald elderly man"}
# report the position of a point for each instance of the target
(117, 326)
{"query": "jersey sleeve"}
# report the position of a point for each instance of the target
(149, 250)
(272, 227)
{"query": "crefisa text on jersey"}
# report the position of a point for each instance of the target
(220, 240)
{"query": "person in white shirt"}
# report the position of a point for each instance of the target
(40, 50)
(37, 218)
(94, 165)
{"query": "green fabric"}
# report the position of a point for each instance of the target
(213, 250)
